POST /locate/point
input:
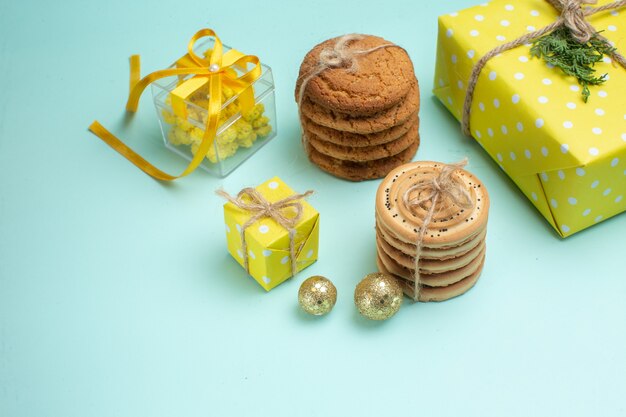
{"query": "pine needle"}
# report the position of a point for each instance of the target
(561, 50)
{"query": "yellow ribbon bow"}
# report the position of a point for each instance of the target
(217, 70)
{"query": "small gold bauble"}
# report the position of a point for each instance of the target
(317, 295)
(378, 296)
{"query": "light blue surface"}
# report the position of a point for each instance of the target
(117, 295)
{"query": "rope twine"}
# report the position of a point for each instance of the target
(441, 191)
(573, 16)
(252, 201)
(340, 55)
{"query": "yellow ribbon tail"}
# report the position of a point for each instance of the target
(110, 139)
(199, 68)
(135, 71)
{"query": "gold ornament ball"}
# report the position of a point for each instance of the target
(378, 296)
(317, 295)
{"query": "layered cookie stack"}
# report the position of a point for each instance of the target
(452, 250)
(359, 103)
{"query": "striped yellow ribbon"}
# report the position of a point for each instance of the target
(218, 69)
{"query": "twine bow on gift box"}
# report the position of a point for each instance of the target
(573, 17)
(440, 191)
(253, 202)
(218, 70)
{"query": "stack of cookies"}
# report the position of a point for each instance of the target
(359, 117)
(452, 251)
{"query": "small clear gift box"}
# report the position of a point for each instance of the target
(242, 128)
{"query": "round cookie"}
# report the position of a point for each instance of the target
(381, 79)
(450, 226)
(365, 153)
(437, 293)
(441, 279)
(355, 140)
(383, 120)
(359, 171)
(431, 266)
(426, 252)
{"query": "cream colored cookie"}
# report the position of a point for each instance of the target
(436, 293)
(451, 225)
(429, 253)
(431, 266)
(435, 279)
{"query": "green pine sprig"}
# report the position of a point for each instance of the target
(560, 49)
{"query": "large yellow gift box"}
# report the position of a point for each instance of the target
(567, 156)
(267, 241)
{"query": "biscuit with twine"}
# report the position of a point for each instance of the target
(362, 84)
(440, 279)
(427, 294)
(430, 205)
(430, 253)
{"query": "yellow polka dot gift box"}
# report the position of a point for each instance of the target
(567, 155)
(271, 231)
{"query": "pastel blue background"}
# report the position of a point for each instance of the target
(117, 295)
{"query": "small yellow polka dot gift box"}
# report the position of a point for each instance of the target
(567, 156)
(271, 231)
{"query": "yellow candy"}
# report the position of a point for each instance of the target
(230, 110)
(260, 122)
(184, 124)
(224, 151)
(243, 130)
(210, 155)
(168, 117)
(248, 140)
(254, 113)
(196, 134)
(172, 137)
(243, 133)
(194, 148)
(228, 136)
(264, 131)
(228, 150)
(183, 137)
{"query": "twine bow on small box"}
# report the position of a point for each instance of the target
(436, 189)
(573, 17)
(286, 212)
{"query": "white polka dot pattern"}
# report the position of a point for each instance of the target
(563, 153)
(267, 242)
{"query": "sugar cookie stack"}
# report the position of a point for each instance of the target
(359, 117)
(453, 249)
